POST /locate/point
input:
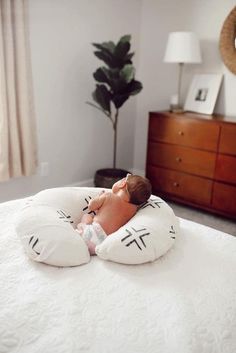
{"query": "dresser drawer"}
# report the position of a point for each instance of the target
(224, 198)
(181, 158)
(228, 139)
(184, 186)
(226, 168)
(183, 131)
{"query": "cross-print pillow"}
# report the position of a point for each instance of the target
(146, 237)
(46, 226)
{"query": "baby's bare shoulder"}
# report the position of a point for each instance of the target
(112, 199)
(108, 196)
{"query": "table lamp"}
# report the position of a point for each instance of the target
(182, 48)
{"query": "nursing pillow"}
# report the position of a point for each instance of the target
(146, 237)
(47, 222)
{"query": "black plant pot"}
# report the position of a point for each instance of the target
(105, 178)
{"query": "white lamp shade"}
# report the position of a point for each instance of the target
(182, 47)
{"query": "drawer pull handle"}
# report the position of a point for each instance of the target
(178, 159)
(176, 184)
(181, 133)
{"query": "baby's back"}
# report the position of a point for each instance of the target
(114, 213)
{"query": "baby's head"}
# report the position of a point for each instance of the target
(138, 188)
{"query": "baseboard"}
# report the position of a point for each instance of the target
(88, 183)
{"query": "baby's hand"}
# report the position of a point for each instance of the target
(102, 192)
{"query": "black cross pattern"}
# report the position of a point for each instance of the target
(135, 240)
(33, 241)
(152, 203)
(66, 218)
(172, 231)
(86, 208)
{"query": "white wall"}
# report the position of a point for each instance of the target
(74, 138)
(204, 17)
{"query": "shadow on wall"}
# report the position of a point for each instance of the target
(211, 58)
(220, 107)
(211, 64)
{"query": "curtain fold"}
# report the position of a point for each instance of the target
(18, 154)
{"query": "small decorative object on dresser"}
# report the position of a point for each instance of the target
(192, 160)
(203, 93)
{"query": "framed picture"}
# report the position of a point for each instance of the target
(203, 92)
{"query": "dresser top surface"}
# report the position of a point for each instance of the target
(190, 115)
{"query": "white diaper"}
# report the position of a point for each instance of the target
(93, 234)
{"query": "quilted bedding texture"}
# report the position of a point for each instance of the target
(185, 301)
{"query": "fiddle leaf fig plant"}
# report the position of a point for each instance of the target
(115, 81)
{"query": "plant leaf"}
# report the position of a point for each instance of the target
(129, 57)
(117, 78)
(115, 56)
(127, 73)
(108, 58)
(102, 74)
(102, 96)
(134, 87)
(107, 46)
(121, 51)
(119, 99)
(125, 38)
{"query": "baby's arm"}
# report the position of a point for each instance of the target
(97, 202)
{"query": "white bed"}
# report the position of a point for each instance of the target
(184, 302)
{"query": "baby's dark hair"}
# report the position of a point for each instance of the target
(139, 189)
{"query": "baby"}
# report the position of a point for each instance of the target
(113, 209)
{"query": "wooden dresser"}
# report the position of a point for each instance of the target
(191, 158)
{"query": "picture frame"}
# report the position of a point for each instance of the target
(203, 92)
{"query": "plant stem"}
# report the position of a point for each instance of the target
(115, 137)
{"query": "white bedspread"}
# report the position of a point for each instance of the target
(184, 302)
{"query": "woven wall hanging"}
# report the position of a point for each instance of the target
(228, 41)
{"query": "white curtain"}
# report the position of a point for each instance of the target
(17, 120)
